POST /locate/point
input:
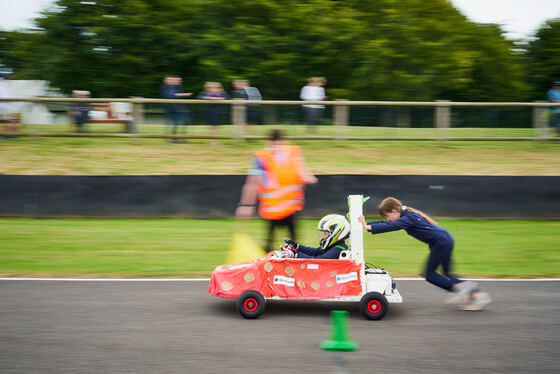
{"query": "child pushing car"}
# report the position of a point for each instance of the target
(420, 226)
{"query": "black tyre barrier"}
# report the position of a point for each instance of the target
(216, 196)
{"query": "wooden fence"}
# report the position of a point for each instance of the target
(340, 118)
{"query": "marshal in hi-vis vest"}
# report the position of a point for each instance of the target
(281, 192)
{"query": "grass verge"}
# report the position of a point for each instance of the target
(193, 248)
(103, 156)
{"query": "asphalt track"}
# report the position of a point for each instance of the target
(177, 327)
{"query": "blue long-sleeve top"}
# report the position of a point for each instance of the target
(170, 91)
(414, 225)
(332, 252)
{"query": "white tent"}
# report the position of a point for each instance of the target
(31, 113)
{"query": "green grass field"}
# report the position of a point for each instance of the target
(192, 248)
(103, 156)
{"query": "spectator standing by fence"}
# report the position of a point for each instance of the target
(213, 113)
(80, 110)
(176, 114)
(553, 96)
(239, 93)
(243, 91)
(253, 110)
(313, 91)
(277, 179)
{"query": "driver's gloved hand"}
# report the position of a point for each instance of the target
(290, 244)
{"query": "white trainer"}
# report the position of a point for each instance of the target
(461, 292)
(478, 301)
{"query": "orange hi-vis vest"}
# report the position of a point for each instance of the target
(282, 189)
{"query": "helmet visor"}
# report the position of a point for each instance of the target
(322, 236)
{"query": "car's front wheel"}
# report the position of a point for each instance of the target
(250, 304)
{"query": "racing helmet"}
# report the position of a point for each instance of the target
(337, 228)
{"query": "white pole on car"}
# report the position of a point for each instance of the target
(355, 203)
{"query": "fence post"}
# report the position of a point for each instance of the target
(269, 115)
(238, 119)
(540, 123)
(443, 118)
(137, 111)
(340, 119)
(403, 116)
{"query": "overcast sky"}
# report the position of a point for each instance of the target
(519, 18)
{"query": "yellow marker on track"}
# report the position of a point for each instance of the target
(243, 249)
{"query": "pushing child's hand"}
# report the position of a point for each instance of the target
(362, 220)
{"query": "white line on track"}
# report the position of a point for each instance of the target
(111, 279)
(208, 279)
(497, 279)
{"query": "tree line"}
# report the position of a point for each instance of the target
(367, 49)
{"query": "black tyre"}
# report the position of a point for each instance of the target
(250, 304)
(374, 305)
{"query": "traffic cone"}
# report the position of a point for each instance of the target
(339, 340)
(243, 249)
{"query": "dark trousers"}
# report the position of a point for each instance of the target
(177, 118)
(313, 118)
(254, 114)
(80, 119)
(440, 254)
(289, 222)
(214, 118)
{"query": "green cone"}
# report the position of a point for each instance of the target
(339, 340)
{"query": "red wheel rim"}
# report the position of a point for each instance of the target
(374, 306)
(250, 304)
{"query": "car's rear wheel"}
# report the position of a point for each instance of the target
(374, 305)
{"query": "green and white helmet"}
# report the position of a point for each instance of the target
(336, 225)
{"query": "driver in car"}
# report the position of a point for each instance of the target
(333, 229)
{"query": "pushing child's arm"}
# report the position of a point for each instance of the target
(379, 227)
